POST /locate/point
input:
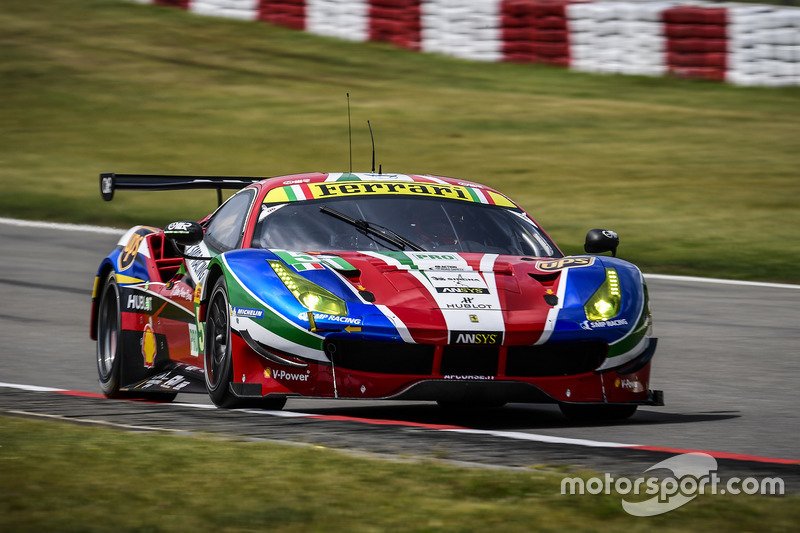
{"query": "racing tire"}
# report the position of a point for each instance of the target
(217, 351)
(109, 349)
(109, 329)
(590, 412)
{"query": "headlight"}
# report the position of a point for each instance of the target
(606, 302)
(310, 295)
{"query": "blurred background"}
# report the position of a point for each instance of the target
(621, 115)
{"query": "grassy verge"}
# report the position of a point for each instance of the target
(61, 477)
(698, 178)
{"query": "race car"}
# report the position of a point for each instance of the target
(368, 286)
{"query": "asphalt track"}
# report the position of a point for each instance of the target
(727, 361)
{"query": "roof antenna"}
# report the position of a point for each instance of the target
(350, 133)
(373, 146)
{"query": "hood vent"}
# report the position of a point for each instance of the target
(545, 279)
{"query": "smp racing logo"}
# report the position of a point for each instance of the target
(590, 325)
(484, 338)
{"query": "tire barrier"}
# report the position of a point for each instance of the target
(347, 20)
(536, 32)
(396, 22)
(697, 42)
(287, 13)
(235, 9)
(466, 29)
(764, 46)
(618, 38)
(751, 45)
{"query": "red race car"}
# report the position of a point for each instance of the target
(369, 286)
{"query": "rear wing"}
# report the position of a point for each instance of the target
(110, 182)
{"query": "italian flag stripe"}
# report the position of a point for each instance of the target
(300, 267)
(477, 195)
(291, 192)
(306, 191)
(471, 192)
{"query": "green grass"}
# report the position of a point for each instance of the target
(698, 178)
(61, 477)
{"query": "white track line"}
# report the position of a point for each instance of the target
(34, 388)
(61, 226)
(690, 279)
(115, 231)
(516, 435)
(292, 414)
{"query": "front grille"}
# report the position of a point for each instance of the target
(381, 357)
(563, 359)
(555, 360)
(470, 360)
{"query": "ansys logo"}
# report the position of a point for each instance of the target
(476, 337)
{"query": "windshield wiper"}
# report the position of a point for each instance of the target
(373, 229)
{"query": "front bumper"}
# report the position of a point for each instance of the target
(537, 374)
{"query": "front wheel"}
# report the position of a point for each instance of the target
(218, 358)
(590, 412)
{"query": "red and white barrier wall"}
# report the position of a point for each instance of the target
(738, 43)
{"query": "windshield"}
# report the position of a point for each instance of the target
(430, 224)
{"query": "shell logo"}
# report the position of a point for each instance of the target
(149, 346)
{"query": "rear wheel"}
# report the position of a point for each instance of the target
(218, 358)
(109, 347)
(586, 413)
(108, 337)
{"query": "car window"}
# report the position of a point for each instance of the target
(225, 229)
(431, 224)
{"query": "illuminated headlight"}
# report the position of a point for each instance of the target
(310, 295)
(606, 302)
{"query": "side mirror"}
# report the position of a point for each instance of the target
(186, 233)
(601, 240)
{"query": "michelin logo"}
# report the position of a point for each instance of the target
(248, 313)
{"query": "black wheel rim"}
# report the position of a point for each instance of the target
(218, 332)
(108, 332)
